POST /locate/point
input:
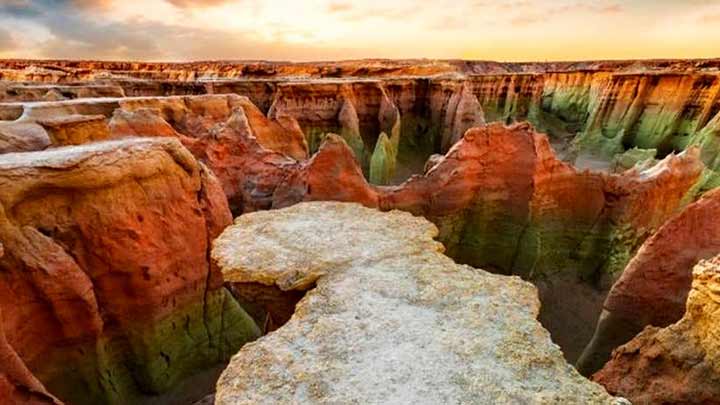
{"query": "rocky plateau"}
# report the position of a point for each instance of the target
(410, 231)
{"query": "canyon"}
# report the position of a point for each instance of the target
(571, 200)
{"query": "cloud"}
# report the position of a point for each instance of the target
(353, 14)
(196, 3)
(7, 41)
(710, 19)
(611, 9)
(339, 7)
(525, 20)
(88, 4)
(85, 35)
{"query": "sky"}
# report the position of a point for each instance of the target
(316, 30)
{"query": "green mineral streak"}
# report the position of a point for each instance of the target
(484, 237)
(151, 358)
(601, 143)
(552, 245)
(571, 104)
(656, 130)
(538, 248)
(417, 143)
(196, 337)
(709, 180)
(647, 127)
(632, 157)
(493, 113)
(624, 243)
(315, 137)
(708, 140)
(355, 142)
(382, 163)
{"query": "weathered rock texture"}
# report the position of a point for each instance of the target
(106, 291)
(678, 364)
(18, 386)
(502, 186)
(390, 319)
(654, 287)
(505, 199)
(660, 106)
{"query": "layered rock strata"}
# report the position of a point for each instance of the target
(678, 364)
(454, 333)
(654, 287)
(506, 185)
(503, 201)
(596, 111)
(106, 291)
(244, 149)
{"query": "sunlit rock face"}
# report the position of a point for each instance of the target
(678, 364)
(575, 176)
(653, 288)
(17, 383)
(106, 291)
(345, 345)
(503, 201)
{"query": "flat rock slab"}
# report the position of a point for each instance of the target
(390, 318)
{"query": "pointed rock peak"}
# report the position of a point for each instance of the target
(382, 162)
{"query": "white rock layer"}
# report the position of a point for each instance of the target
(391, 320)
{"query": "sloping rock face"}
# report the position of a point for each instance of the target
(678, 364)
(106, 290)
(501, 187)
(659, 106)
(248, 152)
(18, 386)
(55, 71)
(390, 319)
(503, 201)
(654, 287)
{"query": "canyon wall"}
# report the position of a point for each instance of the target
(678, 364)
(619, 189)
(107, 294)
(653, 289)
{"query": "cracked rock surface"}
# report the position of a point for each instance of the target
(391, 319)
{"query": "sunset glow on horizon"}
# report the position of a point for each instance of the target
(507, 30)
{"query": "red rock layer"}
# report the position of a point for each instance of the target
(678, 364)
(64, 70)
(506, 177)
(103, 245)
(18, 386)
(652, 290)
(654, 287)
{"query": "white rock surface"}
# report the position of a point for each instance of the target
(391, 320)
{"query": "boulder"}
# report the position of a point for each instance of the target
(387, 318)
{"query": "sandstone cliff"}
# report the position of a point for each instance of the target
(678, 364)
(106, 292)
(653, 289)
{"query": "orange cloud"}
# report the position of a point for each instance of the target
(196, 3)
